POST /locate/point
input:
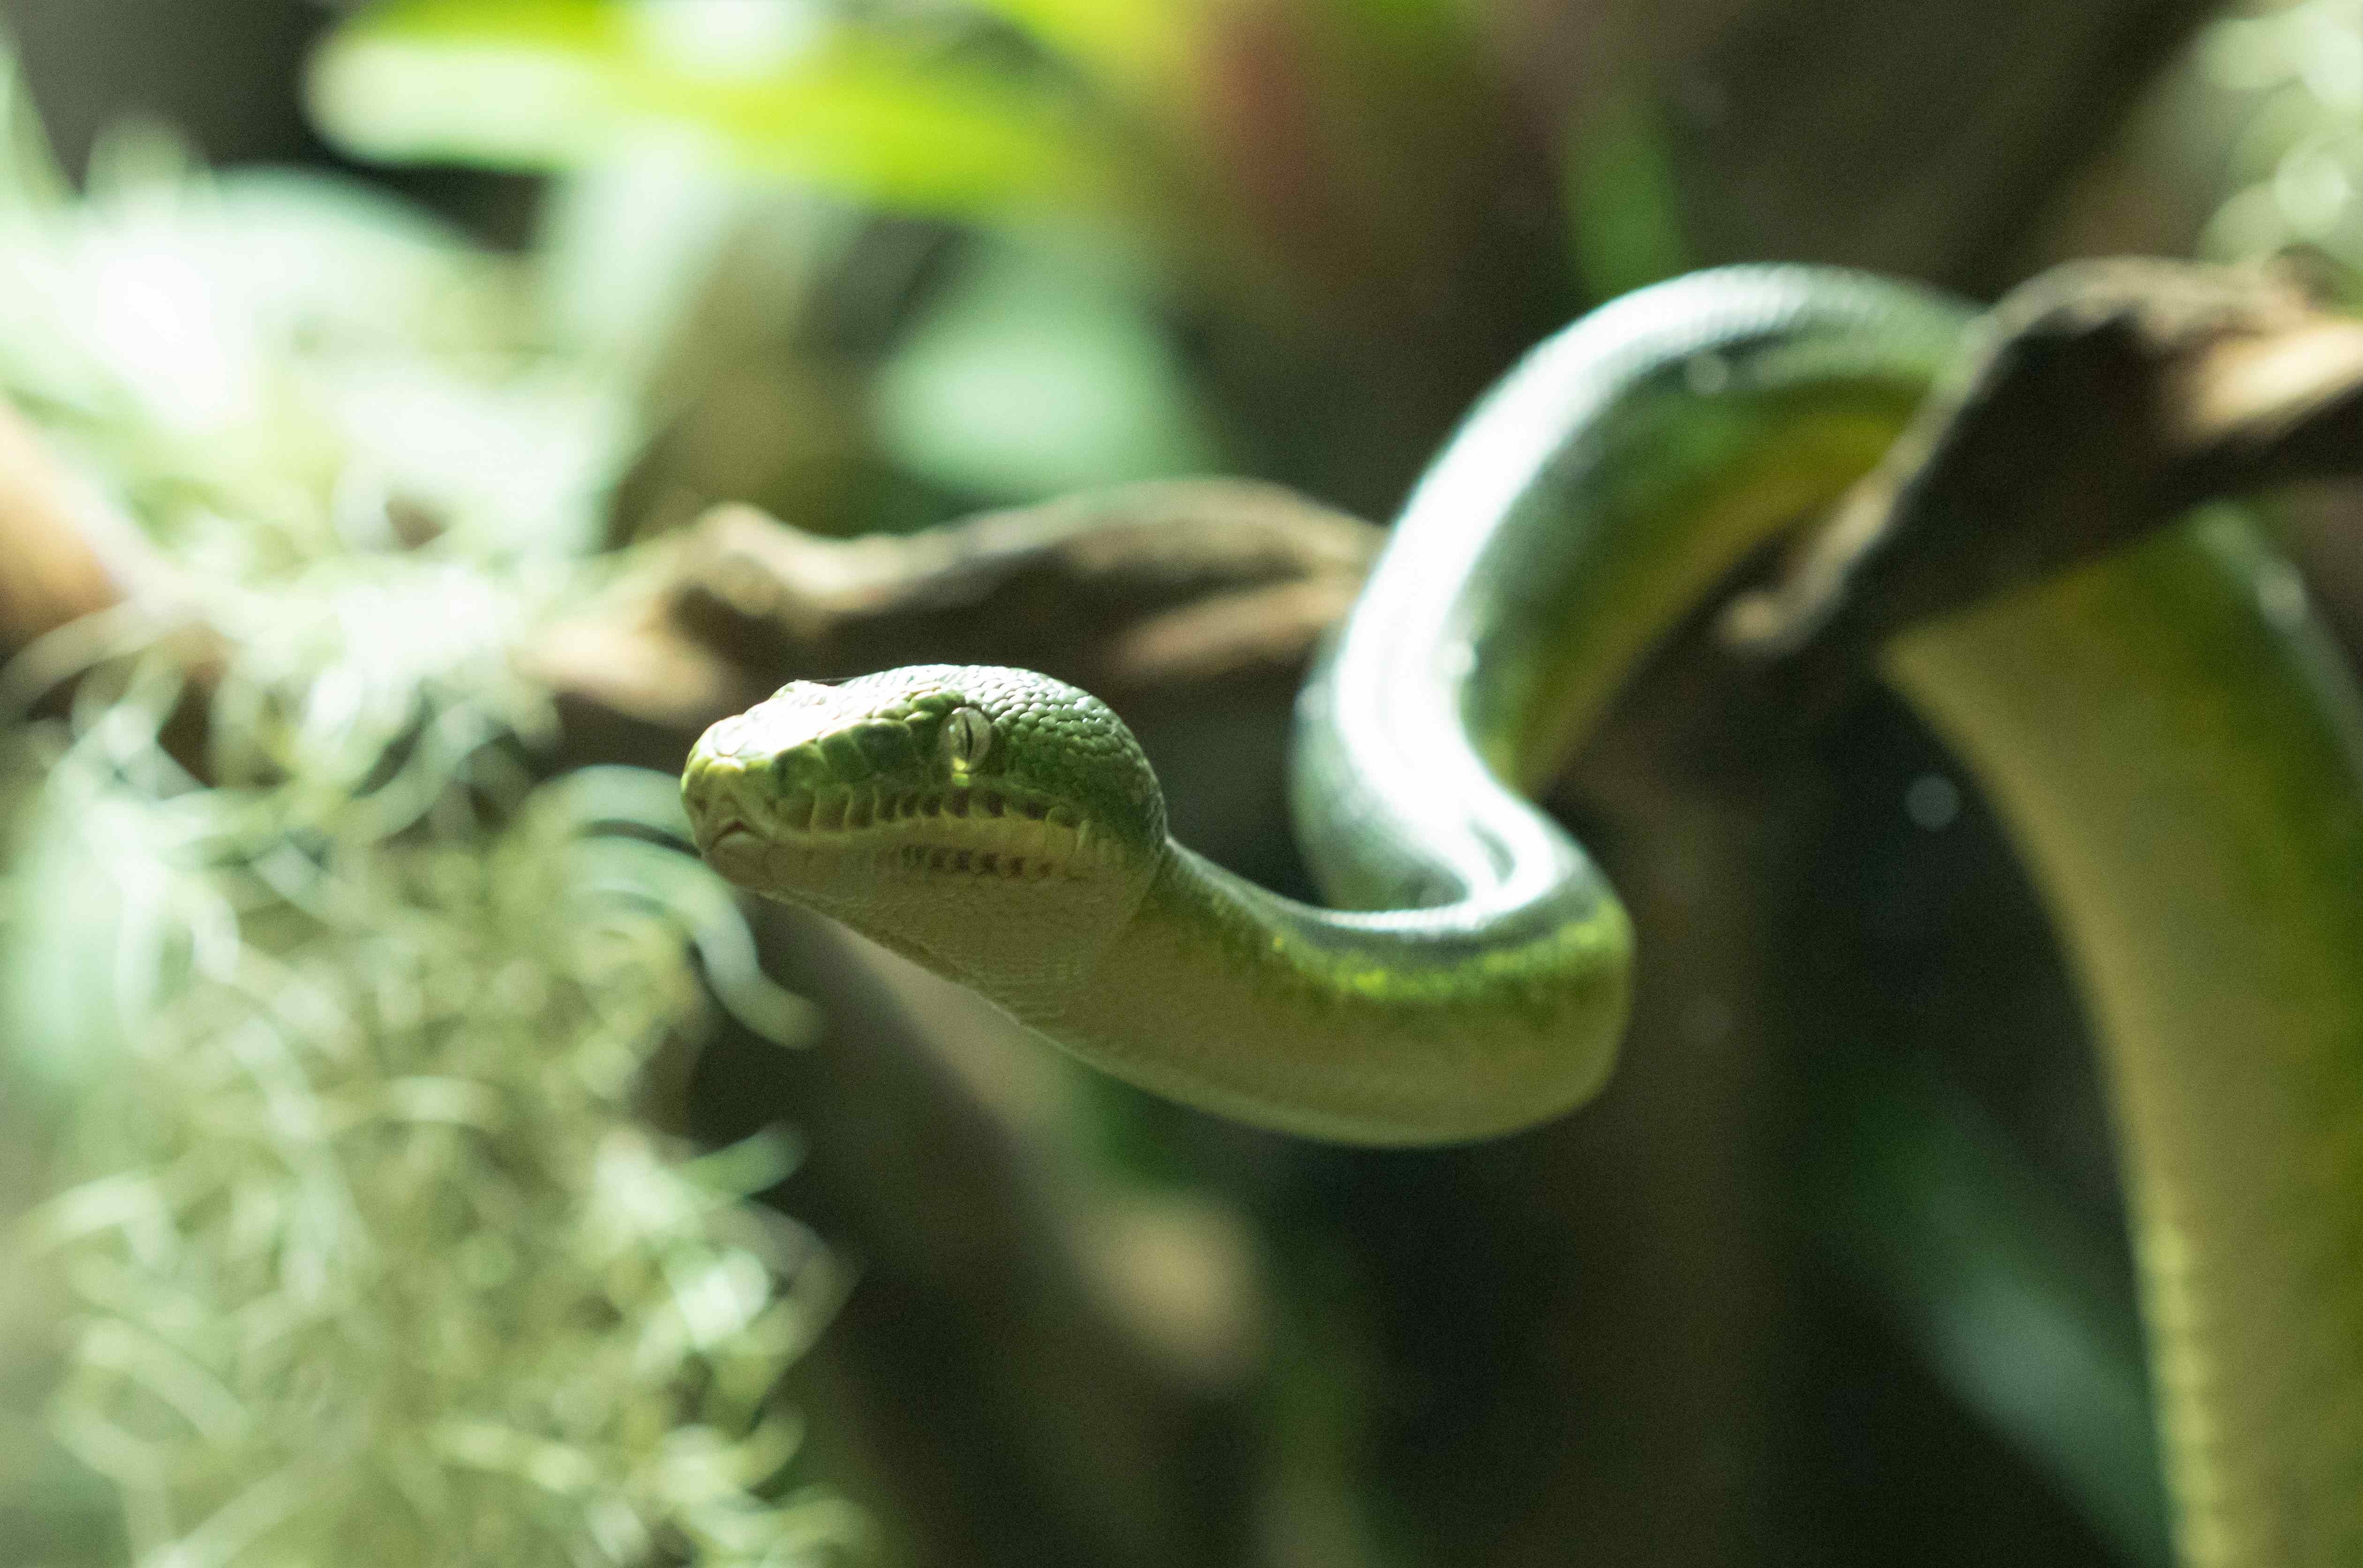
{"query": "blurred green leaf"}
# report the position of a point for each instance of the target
(30, 180)
(1997, 1283)
(1036, 374)
(1623, 205)
(769, 89)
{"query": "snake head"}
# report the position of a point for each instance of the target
(989, 821)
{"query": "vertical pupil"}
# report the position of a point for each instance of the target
(967, 732)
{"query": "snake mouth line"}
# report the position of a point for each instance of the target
(1005, 833)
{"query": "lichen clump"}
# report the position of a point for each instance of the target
(372, 1257)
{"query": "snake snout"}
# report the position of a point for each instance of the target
(702, 796)
(723, 829)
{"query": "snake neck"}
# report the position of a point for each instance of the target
(1402, 1027)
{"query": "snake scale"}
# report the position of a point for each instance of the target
(2176, 753)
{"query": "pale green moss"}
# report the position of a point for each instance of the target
(316, 1083)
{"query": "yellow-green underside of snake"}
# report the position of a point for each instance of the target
(2175, 752)
(2176, 755)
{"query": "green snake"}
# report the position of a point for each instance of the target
(2175, 752)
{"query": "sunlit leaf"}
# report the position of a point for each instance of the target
(554, 83)
(1144, 49)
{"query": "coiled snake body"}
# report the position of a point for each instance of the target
(2175, 752)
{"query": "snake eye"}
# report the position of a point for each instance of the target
(967, 736)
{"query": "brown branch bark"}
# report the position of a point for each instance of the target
(56, 570)
(1124, 591)
(2103, 399)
